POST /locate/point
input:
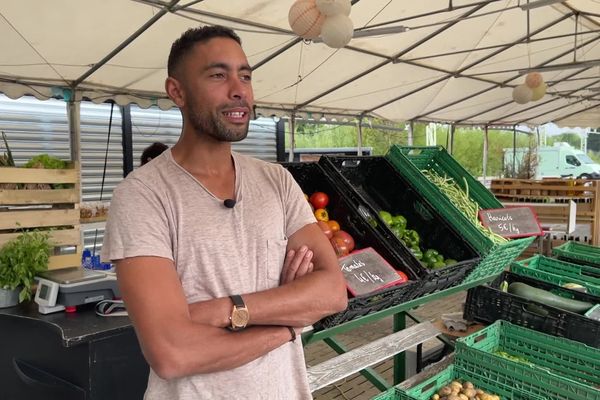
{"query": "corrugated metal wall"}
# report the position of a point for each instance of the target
(34, 127)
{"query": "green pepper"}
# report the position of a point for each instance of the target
(416, 252)
(399, 220)
(386, 217)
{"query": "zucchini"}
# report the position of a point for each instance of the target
(547, 298)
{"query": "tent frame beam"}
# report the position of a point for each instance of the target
(384, 63)
(124, 44)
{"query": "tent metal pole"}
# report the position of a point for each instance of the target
(411, 126)
(485, 152)
(73, 108)
(359, 139)
(451, 138)
(292, 137)
(514, 160)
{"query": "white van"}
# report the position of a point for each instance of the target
(560, 160)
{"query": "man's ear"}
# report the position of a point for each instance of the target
(174, 90)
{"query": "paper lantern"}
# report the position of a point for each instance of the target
(522, 94)
(337, 31)
(534, 79)
(538, 92)
(305, 19)
(334, 7)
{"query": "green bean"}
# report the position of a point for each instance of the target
(461, 200)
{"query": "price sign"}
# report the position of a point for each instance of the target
(366, 272)
(511, 222)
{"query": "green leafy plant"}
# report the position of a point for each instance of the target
(21, 259)
(46, 161)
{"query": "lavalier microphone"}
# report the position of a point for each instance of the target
(229, 203)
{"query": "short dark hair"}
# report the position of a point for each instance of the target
(191, 37)
(152, 151)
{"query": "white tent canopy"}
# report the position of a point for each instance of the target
(457, 60)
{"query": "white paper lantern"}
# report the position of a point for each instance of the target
(334, 7)
(305, 19)
(337, 31)
(539, 92)
(534, 79)
(522, 94)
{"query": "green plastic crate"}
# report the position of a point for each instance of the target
(556, 368)
(409, 161)
(578, 252)
(429, 387)
(559, 272)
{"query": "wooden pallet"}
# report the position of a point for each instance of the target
(536, 190)
(56, 210)
(550, 199)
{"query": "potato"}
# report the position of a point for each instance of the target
(463, 396)
(469, 392)
(445, 391)
(454, 397)
(467, 385)
(435, 397)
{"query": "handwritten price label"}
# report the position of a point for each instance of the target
(511, 222)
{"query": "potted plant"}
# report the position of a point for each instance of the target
(20, 260)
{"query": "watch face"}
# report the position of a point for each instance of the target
(239, 318)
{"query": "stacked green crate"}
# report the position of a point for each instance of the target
(559, 272)
(579, 253)
(411, 161)
(534, 362)
(426, 389)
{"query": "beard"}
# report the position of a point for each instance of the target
(210, 123)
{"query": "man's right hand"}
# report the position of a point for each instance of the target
(296, 264)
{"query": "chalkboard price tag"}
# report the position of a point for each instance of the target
(511, 222)
(366, 272)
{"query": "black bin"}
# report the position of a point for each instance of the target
(378, 186)
(487, 303)
(312, 178)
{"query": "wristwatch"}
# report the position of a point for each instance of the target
(239, 315)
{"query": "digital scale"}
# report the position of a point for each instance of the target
(64, 289)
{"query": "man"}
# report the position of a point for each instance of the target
(200, 224)
(151, 152)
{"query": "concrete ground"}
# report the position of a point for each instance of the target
(356, 386)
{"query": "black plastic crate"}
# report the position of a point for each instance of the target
(375, 184)
(312, 178)
(487, 304)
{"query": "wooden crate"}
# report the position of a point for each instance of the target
(550, 198)
(56, 210)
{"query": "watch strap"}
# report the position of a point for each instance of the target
(237, 301)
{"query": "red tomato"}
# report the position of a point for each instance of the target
(321, 215)
(325, 228)
(345, 236)
(334, 225)
(339, 246)
(319, 199)
(403, 276)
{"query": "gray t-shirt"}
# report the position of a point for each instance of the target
(162, 210)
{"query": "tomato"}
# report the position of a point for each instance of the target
(403, 276)
(345, 236)
(321, 215)
(340, 246)
(334, 225)
(319, 199)
(325, 228)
